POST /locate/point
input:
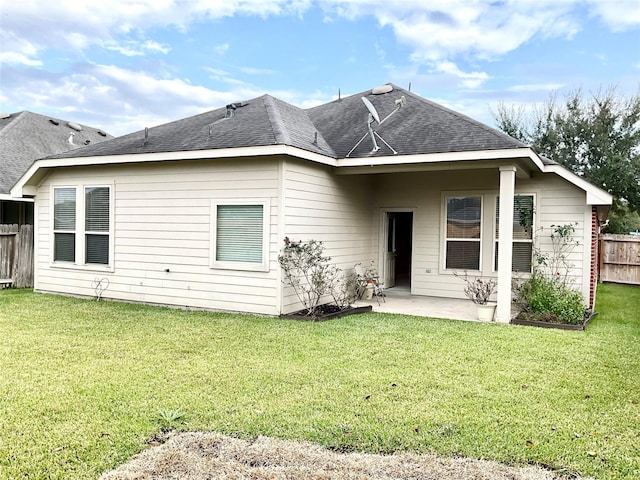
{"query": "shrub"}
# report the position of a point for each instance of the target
(478, 289)
(307, 269)
(547, 294)
(551, 299)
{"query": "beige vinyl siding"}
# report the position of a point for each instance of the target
(561, 203)
(558, 202)
(162, 215)
(334, 209)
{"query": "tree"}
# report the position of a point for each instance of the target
(597, 137)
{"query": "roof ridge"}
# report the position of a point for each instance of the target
(280, 131)
(13, 118)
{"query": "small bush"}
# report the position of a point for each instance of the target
(547, 296)
(311, 275)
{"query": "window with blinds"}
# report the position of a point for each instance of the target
(463, 240)
(96, 226)
(64, 224)
(523, 211)
(75, 241)
(239, 233)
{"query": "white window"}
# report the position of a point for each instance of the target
(240, 235)
(79, 242)
(64, 224)
(523, 212)
(96, 229)
(463, 232)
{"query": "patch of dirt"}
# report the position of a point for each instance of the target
(199, 456)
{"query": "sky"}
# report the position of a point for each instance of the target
(123, 65)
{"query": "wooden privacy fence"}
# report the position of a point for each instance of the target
(16, 256)
(620, 259)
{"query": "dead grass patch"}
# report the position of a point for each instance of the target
(197, 455)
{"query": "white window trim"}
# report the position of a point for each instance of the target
(80, 232)
(534, 229)
(443, 225)
(263, 266)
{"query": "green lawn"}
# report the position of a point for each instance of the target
(85, 384)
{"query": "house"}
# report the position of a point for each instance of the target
(25, 137)
(194, 212)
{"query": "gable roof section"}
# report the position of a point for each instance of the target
(26, 137)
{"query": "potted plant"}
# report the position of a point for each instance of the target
(479, 290)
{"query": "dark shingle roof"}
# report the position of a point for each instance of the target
(420, 127)
(26, 137)
(331, 129)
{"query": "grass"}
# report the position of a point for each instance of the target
(84, 385)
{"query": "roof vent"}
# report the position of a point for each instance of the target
(386, 88)
(75, 126)
(101, 133)
(55, 122)
(87, 141)
(70, 139)
(231, 108)
(4, 115)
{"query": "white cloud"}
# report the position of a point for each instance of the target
(68, 24)
(120, 101)
(8, 58)
(434, 31)
(221, 49)
(469, 80)
(619, 15)
(134, 48)
(257, 71)
(536, 87)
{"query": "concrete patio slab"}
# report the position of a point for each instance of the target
(399, 300)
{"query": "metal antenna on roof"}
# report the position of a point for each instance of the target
(146, 135)
(374, 116)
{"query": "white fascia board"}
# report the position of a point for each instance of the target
(6, 196)
(21, 187)
(389, 160)
(595, 195)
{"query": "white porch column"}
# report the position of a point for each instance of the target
(505, 242)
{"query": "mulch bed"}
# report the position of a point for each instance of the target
(327, 312)
(549, 321)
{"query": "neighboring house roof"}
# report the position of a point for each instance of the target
(26, 137)
(420, 132)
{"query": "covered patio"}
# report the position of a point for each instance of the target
(399, 300)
